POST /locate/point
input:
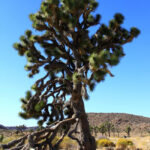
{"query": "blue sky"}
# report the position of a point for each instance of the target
(127, 92)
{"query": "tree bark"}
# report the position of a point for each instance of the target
(85, 137)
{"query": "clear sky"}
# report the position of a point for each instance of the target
(127, 92)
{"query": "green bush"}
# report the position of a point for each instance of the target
(124, 143)
(104, 143)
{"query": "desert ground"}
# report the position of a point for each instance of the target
(140, 143)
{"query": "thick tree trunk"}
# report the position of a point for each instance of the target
(85, 137)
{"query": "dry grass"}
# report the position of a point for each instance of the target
(68, 144)
(142, 142)
(11, 138)
(139, 142)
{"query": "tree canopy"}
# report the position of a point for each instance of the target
(68, 53)
(73, 60)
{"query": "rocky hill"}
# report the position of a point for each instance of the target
(139, 124)
(3, 127)
(16, 128)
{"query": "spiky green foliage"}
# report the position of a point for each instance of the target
(68, 54)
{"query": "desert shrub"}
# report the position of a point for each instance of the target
(104, 143)
(1, 137)
(124, 143)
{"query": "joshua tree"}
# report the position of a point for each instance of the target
(147, 129)
(118, 130)
(1, 137)
(96, 130)
(141, 131)
(21, 128)
(73, 60)
(113, 130)
(102, 129)
(109, 126)
(91, 129)
(128, 130)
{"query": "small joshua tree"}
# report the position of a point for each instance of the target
(109, 126)
(21, 128)
(128, 131)
(102, 129)
(1, 137)
(113, 130)
(73, 60)
(96, 130)
(91, 129)
(118, 130)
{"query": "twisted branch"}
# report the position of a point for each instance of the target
(33, 139)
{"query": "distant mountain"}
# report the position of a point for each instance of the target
(2, 127)
(24, 129)
(12, 128)
(16, 128)
(138, 124)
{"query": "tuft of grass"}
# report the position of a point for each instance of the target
(124, 144)
(104, 143)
